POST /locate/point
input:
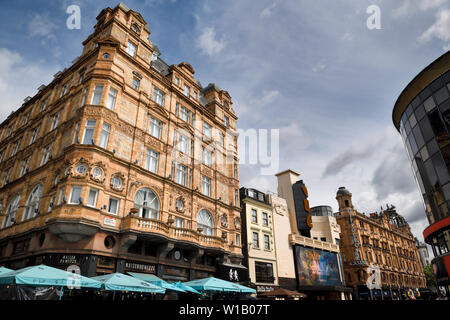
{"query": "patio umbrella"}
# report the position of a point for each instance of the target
(185, 287)
(214, 284)
(156, 281)
(4, 270)
(43, 275)
(123, 282)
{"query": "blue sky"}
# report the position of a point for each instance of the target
(311, 69)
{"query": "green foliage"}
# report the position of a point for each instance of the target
(428, 270)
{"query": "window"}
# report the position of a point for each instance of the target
(183, 143)
(51, 203)
(205, 222)
(136, 83)
(238, 240)
(221, 139)
(43, 105)
(116, 182)
(97, 96)
(206, 186)
(255, 240)
(34, 134)
(88, 137)
(236, 197)
(195, 95)
(155, 127)
(92, 199)
(324, 239)
(179, 223)
(104, 135)
(1, 155)
(113, 205)
(85, 93)
(266, 242)
(151, 161)
(25, 118)
(135, 28)
(15, 147)
(75, 135)
(75, 195)
(10, 215)
(207, 130)
(181, 174)
(235, 175)
(61, 197)
(158, 96)
(24, 167)
(186, 90)
(177, 81)
(46, 155)
(254, 216)
(226, 121)
(64, 89)
(264, 272)
(6, 178)
(206, 157)
(131, 49)
(111, 98)
(184, 114)
(54, 121)
(32, 205)
(148, 204)
(264, 219)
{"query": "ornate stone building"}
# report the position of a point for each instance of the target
(119, 164)
(379, 252)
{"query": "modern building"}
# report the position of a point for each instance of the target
(422, 115)
(423, 253)
(324, 225)
(258, 246)
(379, 252)
(109, 166)
(316, 268)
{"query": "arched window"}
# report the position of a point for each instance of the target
(147, 202)
(206, 222)
(33, 201)
(11, 211)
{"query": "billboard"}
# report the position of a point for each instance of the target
(317, 267)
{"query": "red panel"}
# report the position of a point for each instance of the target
(436, 226)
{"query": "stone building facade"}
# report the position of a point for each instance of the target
(379, 252)
(121, 163)
(258, 245)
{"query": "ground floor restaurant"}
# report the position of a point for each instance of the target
(387, 293)
(171, 271)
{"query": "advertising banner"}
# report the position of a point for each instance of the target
(317, 267)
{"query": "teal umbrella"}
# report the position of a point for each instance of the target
(4, 270)
(43, 275)
(122, 282)
(156, 281)
(214, 284)
(185, 287)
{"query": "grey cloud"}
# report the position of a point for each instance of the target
(393, 175)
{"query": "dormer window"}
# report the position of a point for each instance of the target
(106, 55)
(131, 49)
(135, 28)
(186, 90)
(226, 121)
(154, 56)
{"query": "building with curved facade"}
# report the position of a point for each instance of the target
(422, 116)
(110, 167)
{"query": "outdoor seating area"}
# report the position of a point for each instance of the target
(43, 282)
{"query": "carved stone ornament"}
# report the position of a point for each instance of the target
(118, 181)
(224, 220)
(81, 169)
(237, 223)
(180, 205)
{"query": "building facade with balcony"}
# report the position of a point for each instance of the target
(121, 163)
(422, 116)
(379, 252)
(258, 245)
(308, 256)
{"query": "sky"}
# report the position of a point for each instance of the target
(313, 70)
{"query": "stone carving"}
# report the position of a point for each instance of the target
(118, 181)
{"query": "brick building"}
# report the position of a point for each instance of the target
(119, 164)
(379, 252)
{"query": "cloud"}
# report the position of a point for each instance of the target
(40, 25)
(267, 12)
(440, 29)
(319, 66)
(409, 7)
(19, 78)
(393, 174)
(208, 43)
(347, 36)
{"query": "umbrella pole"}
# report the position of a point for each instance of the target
(61, 293)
